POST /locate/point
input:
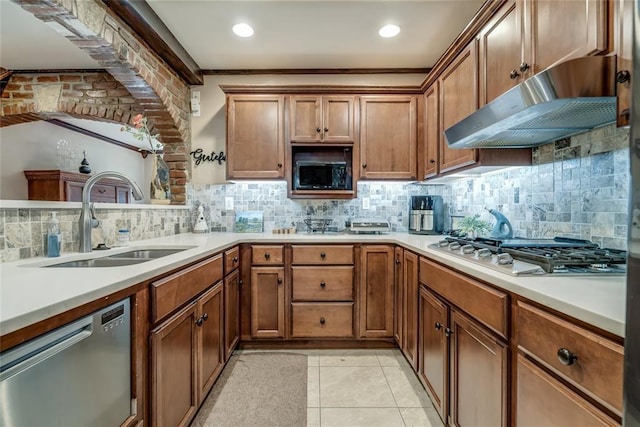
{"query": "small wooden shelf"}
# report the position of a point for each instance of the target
(57, 185)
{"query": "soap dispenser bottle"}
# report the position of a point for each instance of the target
(54, 238)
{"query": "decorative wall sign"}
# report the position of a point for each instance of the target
(199, 156)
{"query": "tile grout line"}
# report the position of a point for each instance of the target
(392, 393)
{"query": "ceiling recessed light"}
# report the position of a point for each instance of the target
(389, 31)
(243, 30)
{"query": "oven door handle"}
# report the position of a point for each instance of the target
(37, 351)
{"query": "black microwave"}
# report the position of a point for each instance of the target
(314, 175)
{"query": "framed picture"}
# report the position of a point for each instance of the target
(249, 222)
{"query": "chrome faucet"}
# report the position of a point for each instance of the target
(87, 215)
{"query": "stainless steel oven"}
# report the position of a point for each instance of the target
(76, 375)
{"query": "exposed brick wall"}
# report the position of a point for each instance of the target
(158, 91)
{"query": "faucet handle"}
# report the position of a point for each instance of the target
(95, 222)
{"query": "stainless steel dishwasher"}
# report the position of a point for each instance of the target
(76, 375)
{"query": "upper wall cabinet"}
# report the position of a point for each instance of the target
(322, 118)
(623, 15)
(527, 36)
(388, 137)
(431, 135)
(255, 136)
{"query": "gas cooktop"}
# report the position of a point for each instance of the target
(538, 256)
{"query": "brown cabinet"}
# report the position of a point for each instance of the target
(63, 186)
(322, 291)
(431, 166)
(210, 341)
(375, 293)
(406, 304)
(463, 363)
(322, 118)
(255, 136)
(231, 301)
(623, 16)
(388, 137)
(267, 302)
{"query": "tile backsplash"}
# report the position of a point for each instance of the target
(577, 187)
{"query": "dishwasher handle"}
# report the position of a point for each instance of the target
(27, 355)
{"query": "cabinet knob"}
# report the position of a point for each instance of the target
(438, 326)
(235, 259)
(322, 284)
(205, 316)
(199, 321)
(267, 255)
(318, 130)
(279, 280)
(448, 332)
(364, 165)
(279, 164)
(101, 190)
(524, 67)
(397, 261)
(323, 255)
(623, 76)
(431, 161)
(566, 357)
(240, 282)
(322, 320)
(326, 129)
(514, 74)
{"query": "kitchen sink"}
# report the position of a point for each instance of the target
(134, 256)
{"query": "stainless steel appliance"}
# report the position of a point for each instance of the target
(426, 215)
(319, 175)
(631, 415)
(537, 256)
(76, 375)
(369, 226)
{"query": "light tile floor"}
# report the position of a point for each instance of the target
(365, 388)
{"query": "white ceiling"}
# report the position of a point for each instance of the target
(288, 34)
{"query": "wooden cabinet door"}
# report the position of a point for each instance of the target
(255, 136)
(338, 119)
(501, 52)
(543, 400)
(173, 369)
(267, 302)
(410, 312)
(210, 338)
(458, 99)
(398, 298)
(562, 30)
(375, 296)
(434, 350)
(478, 374)
(231, 313)
(388, 137)
(305, 118)
(624, 39)
(432, 132)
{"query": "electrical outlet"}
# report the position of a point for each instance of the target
(228, 203)
(366, 203)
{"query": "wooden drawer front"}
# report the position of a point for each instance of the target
(487, 305)
(171, 292)
(103, 192)
(599, 364)
(322, 320)
(231, 260)
(267, 254)
(322, 283)
(312, 254)
(544, 401)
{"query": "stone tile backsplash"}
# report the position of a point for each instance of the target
(577, 187)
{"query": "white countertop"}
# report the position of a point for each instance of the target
(29, 293)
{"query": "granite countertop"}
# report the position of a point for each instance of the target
(29, 293)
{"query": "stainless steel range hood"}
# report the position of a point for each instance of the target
(564, 100)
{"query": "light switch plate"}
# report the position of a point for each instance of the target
(366, 203)
(228, 203)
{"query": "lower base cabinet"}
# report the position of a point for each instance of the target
(186, 358)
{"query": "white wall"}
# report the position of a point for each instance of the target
(209, 130)
(32, 145)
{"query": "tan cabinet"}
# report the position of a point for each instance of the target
(388, 137)
(575, 355)
(463, 350)
(406, 300)
(231, 312)
(375, 293)
(255, 136)
(322, 291)
(431, 165)
(623, 18)
(210, 342)
(267, 302)
(325, 118)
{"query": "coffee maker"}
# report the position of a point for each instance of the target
(426, 215)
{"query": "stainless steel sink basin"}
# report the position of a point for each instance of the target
(148, 253)
(101, 262)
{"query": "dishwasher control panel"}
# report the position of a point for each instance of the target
(112, 318)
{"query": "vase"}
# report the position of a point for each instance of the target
(160, 188)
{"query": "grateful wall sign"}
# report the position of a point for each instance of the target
(199, 157)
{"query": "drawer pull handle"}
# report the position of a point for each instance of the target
(322, 284)
(438, 326)
(566, 357)
(267, 255)
(235, 259)
(279, 280)
(322, 320)
(448, 332)
(101, 190)
(323, 255)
